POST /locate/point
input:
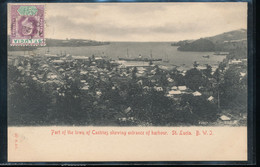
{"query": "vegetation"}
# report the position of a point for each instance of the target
(31, 103)
(200, 45)
(233, 41)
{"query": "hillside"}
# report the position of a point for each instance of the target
(73, 42)
(58, 43)
(227, 41)
(229, 36)
(200, 45)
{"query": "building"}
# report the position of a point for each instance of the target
(196, 93)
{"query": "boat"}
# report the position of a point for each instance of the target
(166, 60)
(221, 53)
(206, 56)
(140, 58)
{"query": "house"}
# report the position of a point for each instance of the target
(51, 56)
(235, 61)
(127, 110)
(20, 68)
(83, 72)
(140, 74)
(57, 62)
(196, 93)
(211, 98)
(153, 72)
(174, 88)
(99, 93)
(60, 70)
(159, 89)
(182, 88)
(56, 81)
(242, 74)
(146, 88)
(164, 67)
(86, 87)
(81, 58)
(170, 80)
(174, 92)
(141, 69)
(201, 67)
(140, 82)
(52, 76)
(225, 118)
(214, 68)
(98, 58)
(61, 94)
(122, 119)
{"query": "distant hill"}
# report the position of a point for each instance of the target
(57, 43)
(227, 41)
(200, 45)
(21, 48)
(180, 43)
(73, 42)
(229, 36)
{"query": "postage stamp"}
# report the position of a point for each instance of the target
(27, 25)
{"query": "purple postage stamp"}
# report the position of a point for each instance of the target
(27, 25)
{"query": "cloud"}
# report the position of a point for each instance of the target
(143, 21)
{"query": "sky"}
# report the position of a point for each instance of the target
(143, 21)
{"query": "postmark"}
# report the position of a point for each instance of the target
(27, 25)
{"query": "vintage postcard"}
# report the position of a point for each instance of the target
(127, 82)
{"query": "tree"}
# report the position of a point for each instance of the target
(154, 108)
(28, 103)
(195, 64)
(207, 72)
(233, 90)
(222, 66)
(199, 108)
(157, 70)
(194, 79)
(134, 73)
(178, 78)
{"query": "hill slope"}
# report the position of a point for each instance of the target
(229, 36)
(227, 41)
(200, 45)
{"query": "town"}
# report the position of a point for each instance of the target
(64, 89)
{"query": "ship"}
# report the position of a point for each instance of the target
(140, 58)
